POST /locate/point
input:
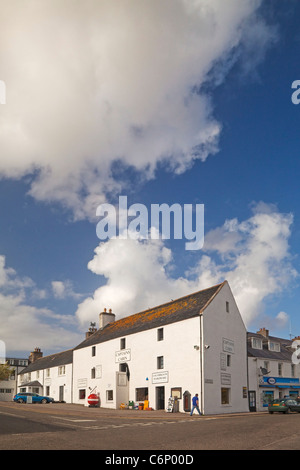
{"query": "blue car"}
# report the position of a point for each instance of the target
(34, 398)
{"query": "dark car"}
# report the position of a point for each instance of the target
(285, 405)
(33, 397)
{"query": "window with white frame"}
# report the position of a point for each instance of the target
(274, 346)
(256, 343)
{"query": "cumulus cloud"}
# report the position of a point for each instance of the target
(91, 83)
(253, 255)
(25, 326)
(64, 289)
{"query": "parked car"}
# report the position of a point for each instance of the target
(284, 405)
(35, 397)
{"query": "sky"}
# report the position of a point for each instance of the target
(183, 102)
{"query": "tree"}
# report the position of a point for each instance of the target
(5, 371)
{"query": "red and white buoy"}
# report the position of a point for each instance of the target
(93, 399)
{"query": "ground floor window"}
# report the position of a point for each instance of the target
(268, 395)
(47, 390)
(82, 394)
(225, 396)
(141, 394)
(109, 395)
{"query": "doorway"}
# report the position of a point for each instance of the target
(252, 400)
(61, 393)
(160, 398)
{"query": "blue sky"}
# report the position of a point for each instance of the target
(198, 112)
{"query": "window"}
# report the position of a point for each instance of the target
(93, 373)
(280, 369)
(225, 396)
(227, 307)
(141, 394)
(47, 390)
(47, 372)
(256, 343)
(109, 395)
(122, 343)
(37, 374)
(293, 370)
(160, 334)
(228, 360)
(274, 346)
(61, 370)
(82, 394)
(93, 350)
(160, 362)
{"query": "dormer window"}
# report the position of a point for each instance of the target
(274, 346)
(256, 343)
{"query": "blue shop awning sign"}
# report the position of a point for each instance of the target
(281, 382)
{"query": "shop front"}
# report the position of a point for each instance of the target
(272, 388)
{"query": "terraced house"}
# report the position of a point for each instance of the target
(49, 375)
(272, 372)
(195, 344)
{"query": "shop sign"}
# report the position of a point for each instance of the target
(160, 377)
(124, 355)
(225, 379)
(228, 345)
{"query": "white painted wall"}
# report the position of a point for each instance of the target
(54, 381)
(220, 325)
(181, 363)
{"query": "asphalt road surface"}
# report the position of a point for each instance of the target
(74, 427)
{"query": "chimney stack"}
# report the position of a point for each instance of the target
(36, 354)
(263, 332)
(105, 318)
(91, 331)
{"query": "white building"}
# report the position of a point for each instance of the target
(196, 344)
(272, 373)
(50, 375)
(8, 387)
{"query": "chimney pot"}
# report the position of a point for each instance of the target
(263, 332)
(105, 318)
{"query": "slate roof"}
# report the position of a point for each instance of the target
(181, 309)
(285, 353)
(53, 360)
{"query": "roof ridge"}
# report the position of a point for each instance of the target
(176, 300)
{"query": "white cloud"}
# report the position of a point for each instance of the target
(95, 81)
(64, 289)
(253, 255)
(25, 326)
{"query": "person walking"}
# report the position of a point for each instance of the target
(195, 406)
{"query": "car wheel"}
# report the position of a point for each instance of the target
(271, 412)
(287, 411)
(20, 400)
(44, 401)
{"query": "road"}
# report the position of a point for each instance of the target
(74, 427)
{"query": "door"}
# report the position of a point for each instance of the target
(252, 400)
(61, 393)
(160, 398)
